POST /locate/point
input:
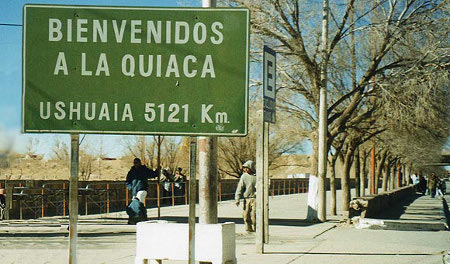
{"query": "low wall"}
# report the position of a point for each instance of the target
(28, 199)
(372, 205)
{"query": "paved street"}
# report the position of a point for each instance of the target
(107, 238)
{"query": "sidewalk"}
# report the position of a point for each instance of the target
(107, 238)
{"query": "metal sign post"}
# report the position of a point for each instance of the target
(192, 196)
(262, 148)
(73, 197)
(259, 241)
(266, 182)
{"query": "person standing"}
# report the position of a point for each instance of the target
(167, 180)
(422, 186)
(439, 187)
(179, 180)
(137, 179)
(247, 189)
(432, 183)
(179, 176)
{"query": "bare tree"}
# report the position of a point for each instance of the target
(60, 150)
(170, 150)
(86, 161)
(281, 23)
(31, 146)
(133, 145)
(283, 139)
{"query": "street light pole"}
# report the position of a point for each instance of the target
(322, 157)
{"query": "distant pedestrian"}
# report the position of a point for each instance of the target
(440, 188)
(137, 183)
(415, 179)
(432, 183)
(247, 189)
(2, 204)
(179, 179)
(179, 176)
(422, 186)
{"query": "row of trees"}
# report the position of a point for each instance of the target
(388, 86)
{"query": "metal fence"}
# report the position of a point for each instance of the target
(30, 199)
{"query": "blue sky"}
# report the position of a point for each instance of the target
(11, 84)
(10, 74)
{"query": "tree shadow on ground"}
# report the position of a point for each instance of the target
(272, 221)
(395, 211)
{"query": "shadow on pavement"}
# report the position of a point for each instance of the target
(353, 253)
(397, 210)
(273, 221)
(446, 211)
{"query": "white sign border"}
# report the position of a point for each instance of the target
(133, 132)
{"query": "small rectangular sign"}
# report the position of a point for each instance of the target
(135, 70)
(269, 84)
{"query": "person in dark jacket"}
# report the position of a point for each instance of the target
(137, 179)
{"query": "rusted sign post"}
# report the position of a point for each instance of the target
(73, 198)
(192, 196)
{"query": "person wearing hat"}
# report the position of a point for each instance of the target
(247, 189)
(137, 179)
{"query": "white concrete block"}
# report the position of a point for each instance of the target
(170, 241)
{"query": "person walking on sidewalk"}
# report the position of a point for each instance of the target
(432, 183)
(137, 183)
(247, 189)
(137, 179)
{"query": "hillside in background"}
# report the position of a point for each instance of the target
(24, 167)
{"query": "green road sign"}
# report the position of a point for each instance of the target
(135, 70)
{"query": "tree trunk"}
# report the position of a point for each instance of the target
(372, 187)
(333, 190)
(313, 157)
(345, 181)
(409, 180)
(391, 176)
(385, 177)
(363, 173)
(333, 184)
(379, 167)
(405, 175)
(353, 52)
(357, 173)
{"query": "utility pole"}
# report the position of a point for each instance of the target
(208, 181)
(323, 129)
(207, 168)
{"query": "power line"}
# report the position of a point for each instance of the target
(10, 25)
